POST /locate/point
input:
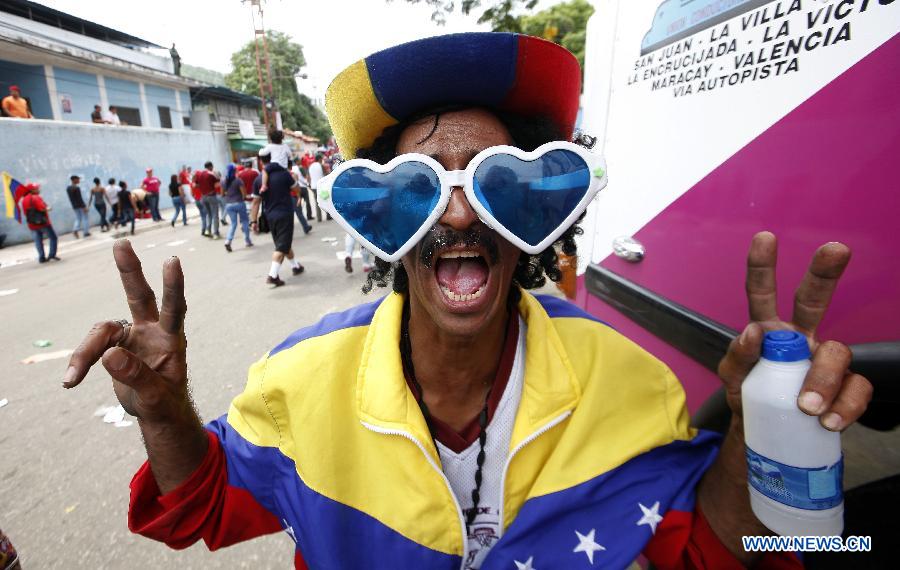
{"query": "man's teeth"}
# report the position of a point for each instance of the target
(455, 254)
(456, 297)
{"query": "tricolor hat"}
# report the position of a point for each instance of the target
(510, 72)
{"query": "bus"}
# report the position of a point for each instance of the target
(722, 118)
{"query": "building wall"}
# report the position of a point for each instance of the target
(124, 93)
(185, 101)
(161, 96)
(83, 91)
(33, 83)
(48, 152)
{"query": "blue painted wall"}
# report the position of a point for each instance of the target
(48, 152)
(124, 93)
(160, 96)
(33, 83)
(185, 106)
(82, 88)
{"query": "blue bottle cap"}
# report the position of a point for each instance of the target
(785, 346)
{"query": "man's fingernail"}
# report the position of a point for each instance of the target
(742, 340)
(70, 375)
(117, 360)
(811, 402)
(833, 421)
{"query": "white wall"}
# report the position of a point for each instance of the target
(48, 152)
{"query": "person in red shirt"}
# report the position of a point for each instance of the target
(37, 215)
(151, 185)
(205, 182)
(248, 175)
(198, 200)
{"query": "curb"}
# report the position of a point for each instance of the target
(24, 253)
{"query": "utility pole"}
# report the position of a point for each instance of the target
(266, 93)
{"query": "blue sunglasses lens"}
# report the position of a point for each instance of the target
(386, 208)
(532, 198)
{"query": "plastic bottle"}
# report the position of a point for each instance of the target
(794, 465)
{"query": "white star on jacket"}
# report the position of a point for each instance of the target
(289, 530)
(588, 545)
(651, 516)
(525, 565)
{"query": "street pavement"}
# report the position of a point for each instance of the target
(64, 473)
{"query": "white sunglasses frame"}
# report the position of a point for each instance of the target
(450, 179)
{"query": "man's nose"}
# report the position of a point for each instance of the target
(459, 214)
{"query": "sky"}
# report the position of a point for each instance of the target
(333, 33)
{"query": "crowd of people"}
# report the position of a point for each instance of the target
(263, 200)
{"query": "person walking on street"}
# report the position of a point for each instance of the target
(112, 196)
(297, 196)
(205, 182)
(99, 199)
(127, 206)
(151, 184)
(176, 192)
(349, 244)
(37, 215)
(220, 197)
(316, 172)
(198, 201)
(82, 220)
(235, 206)
(248, 175)
(192, 194)
(14, 105)
(184, 178)
(278, 208)
(301, 175)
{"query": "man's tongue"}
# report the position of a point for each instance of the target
(462, 275)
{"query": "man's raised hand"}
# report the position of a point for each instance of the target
(146, 359)
(830, 391)
(147, 362)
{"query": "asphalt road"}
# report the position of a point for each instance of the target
(64, 473)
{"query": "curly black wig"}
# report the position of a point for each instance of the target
(527, 133)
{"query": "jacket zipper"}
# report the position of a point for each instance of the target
(544, 429)
(436, 467)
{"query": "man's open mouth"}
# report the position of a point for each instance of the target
(462, 275)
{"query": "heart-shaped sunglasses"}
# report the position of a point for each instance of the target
(529, 198)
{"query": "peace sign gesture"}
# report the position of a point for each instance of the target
(830, 391)
(148, 364)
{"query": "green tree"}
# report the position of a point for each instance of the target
(499, 13)
(564, 23)
(286, 60)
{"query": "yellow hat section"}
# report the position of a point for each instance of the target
(354, 112)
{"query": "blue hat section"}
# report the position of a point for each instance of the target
(465, 69)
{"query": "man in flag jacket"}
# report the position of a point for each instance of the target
(459, 421)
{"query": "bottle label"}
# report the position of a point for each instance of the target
(813, 489)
